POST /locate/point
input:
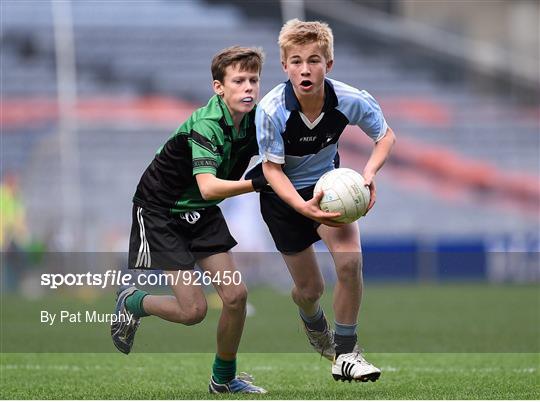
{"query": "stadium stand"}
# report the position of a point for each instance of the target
(141, 69)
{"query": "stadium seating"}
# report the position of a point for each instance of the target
(164, 48)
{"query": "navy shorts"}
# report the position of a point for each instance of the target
(292, 232)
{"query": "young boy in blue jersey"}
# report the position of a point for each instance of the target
(177, 223)
(298, 125)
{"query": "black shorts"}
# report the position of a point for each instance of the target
(160, 240)
(292, 232)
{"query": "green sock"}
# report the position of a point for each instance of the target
(223, 371)
(134, 303)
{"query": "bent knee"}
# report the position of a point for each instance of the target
(192, 315)
(196, 315)
(350, 268)
(234, 298)
(311, 294)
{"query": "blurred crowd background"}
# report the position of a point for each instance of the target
(91, 89)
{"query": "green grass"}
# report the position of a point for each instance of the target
(454, 318)
(452, 341)
(285, 376)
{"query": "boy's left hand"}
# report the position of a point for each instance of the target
(369, 182)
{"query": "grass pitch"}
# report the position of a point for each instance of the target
(452, 341)
(284, 375)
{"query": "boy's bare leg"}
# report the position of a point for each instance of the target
(306, 293)
(187, 306)
(308, 281)
(234, 298)
(344, 245)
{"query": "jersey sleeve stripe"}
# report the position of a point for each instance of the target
(205, 143)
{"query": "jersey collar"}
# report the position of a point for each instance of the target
(225, 111)
(244, 124)
(330, 97)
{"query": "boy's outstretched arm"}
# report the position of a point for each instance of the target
(283, 187)
(212, 188)
(376, 161)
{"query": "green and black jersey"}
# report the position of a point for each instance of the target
(206, 143)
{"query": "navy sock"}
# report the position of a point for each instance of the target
(316, 322)
(345, 338)
(344, 343)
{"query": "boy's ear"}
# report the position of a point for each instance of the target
(284, 65)
(329, 65)
(218, 87)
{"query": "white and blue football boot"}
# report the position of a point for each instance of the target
(242, 384)
(123, 332)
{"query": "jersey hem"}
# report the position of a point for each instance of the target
(383, 132)
(273, 158)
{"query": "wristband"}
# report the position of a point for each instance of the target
(259, 183)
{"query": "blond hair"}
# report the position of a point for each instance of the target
(295, 32)
(249, 59)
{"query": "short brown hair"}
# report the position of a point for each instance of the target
(295, 32)
(249, 58)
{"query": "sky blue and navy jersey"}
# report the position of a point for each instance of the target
(307, 149)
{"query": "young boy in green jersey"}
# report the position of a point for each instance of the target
(177, 223)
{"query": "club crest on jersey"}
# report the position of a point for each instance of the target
(329, 137)
(213, 144)
(191, 217)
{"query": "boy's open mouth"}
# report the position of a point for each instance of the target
(306, 84)
(248, 99)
